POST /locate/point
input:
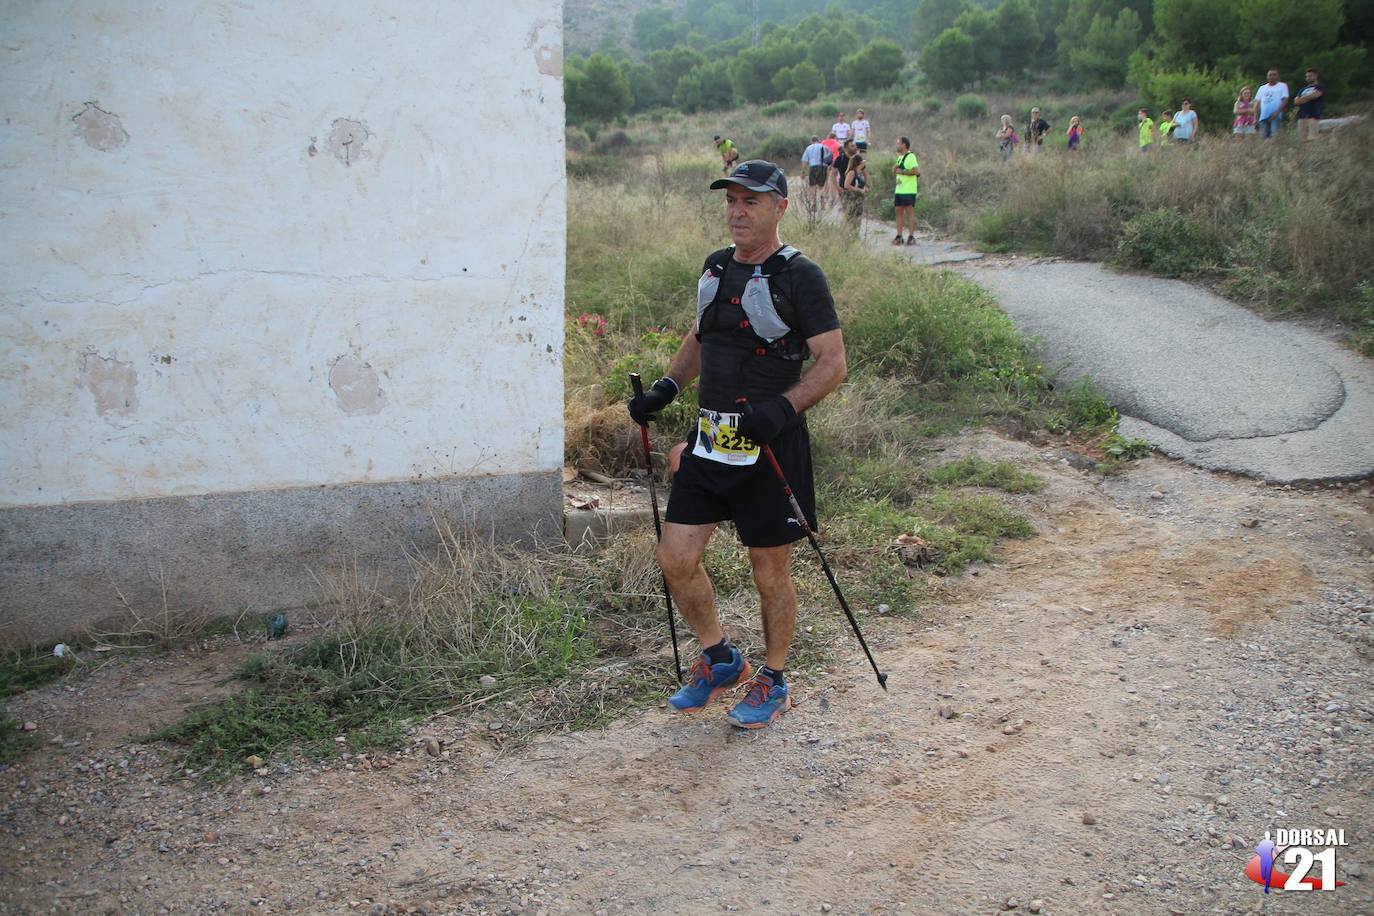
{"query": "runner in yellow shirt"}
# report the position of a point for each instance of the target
(729, 154)
(908, 172)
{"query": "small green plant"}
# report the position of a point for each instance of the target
(971, 107)
(1085, 409)
(14, 741)
(973, 471)
(1119, 448)
(822, 110)
(25, 669)
(932, 104)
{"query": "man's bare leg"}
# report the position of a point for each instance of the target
(777, 600)
(679, 556)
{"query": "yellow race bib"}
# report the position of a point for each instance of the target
(718, 439)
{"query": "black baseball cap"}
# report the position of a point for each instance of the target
(756, 175)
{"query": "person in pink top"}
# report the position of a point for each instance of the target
(832, 187)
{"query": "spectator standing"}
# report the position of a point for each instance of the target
(1006, 138)
(908, 172)
(728, 153)
(840, 129)
(1147, 130)
(1036, 129)
(862, 131)
(1244, 109)
(853, 189)
(1166, 126)
(832, 186)
(1074, 133)
(1310, 102)
(1273, 101)
(813, 160)
(1186, 123)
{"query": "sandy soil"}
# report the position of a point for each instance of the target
(1183, 680)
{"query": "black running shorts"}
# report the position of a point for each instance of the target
(904, 200)
(705, 492)
(815, 176)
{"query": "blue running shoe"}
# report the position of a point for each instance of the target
(764, 702)
(706, 681)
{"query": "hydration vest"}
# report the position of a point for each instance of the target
(731, 366)
(760, 301)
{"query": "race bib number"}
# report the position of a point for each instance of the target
(719, 440)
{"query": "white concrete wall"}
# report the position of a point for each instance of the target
(255, 245)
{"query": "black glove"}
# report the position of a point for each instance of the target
(644, 406)
(762, 424)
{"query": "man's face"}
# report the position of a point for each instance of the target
(902, 147)
(1311, 76)
(850, 148)
(840, 116)
(1273, 77)
(752, 216)
(1035, 114)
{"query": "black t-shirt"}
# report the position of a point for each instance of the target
(731, 366)
(1038, 128)
(842, 164)
(1312, 109)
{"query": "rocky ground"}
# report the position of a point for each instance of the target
(1106, 721)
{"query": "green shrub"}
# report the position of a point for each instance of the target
(656, 348)
(1168, 243)
(787, 106)
(822, 110)
(615, 143)
(937, 327)
(576, 139)
(784, 149)
(970, 107)
(932, 104)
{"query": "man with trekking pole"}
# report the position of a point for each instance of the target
(762, 310)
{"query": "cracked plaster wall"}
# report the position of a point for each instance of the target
(271, 253)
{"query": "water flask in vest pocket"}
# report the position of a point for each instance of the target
(758, 305)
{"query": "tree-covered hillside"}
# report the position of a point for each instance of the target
(706, 54)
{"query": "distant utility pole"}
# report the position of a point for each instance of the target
(756, 23)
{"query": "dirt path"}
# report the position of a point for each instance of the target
(1147, 660)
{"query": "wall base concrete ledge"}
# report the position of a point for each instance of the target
(62, 567)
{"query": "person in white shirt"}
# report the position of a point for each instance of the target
(1186, 123)
(841, 128)
(862, 130)
(1272, 100)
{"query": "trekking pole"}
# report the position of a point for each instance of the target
(638, 387)
(811, 536)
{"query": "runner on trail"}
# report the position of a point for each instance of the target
(763, 308)
(908, 172)
(729, 154)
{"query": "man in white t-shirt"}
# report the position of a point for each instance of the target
(1272, 99)
(841, 128)
(862, 130)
